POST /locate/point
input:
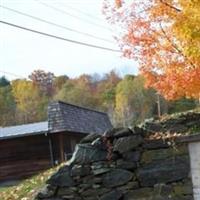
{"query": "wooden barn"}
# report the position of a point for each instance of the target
(29, 148)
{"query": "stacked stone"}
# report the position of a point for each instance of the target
(184, 123)
(122, 165)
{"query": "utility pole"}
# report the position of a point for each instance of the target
(158, 105)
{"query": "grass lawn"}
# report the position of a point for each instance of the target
(26, 189)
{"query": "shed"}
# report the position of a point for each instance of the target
(28, 148)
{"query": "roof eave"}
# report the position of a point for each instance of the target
(23, 135)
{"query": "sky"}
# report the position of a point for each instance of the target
(21, 52)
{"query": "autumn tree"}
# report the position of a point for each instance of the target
(164, 36)
(7, 103)
(58, 82)
(134, 102)
(126, 100)
(31, 103)
(106, 90)
(44, 80)
(123, 110)
(4, 81)
(78, 91)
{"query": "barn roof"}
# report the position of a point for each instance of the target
(64, 116)
(23, 130)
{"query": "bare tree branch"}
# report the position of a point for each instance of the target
(169, 5)
(175, 46)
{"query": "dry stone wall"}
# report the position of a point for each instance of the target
(122, 164)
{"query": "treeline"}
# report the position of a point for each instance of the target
(126, 100)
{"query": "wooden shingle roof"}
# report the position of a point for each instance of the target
(62, 117)
(67, 117)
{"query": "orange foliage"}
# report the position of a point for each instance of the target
(151, 37)
(118, 3)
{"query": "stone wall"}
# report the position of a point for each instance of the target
(123, 164)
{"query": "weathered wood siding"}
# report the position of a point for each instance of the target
(67, 141)
(24, 156)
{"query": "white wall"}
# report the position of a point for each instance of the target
(194, 149)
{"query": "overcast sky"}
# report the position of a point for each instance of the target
(21, 52)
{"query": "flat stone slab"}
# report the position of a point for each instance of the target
(80, 170)
(131, 156)
(161, 154)
(113, 195)
(62, 178)
(86, 153)
(125, 144)
(118, 132)
(90, 138)
(164, 171)
(116, 177)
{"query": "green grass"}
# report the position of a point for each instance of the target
(26, 189)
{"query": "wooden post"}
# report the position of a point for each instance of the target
(61, 147)
(158, 103)
(51, 151)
